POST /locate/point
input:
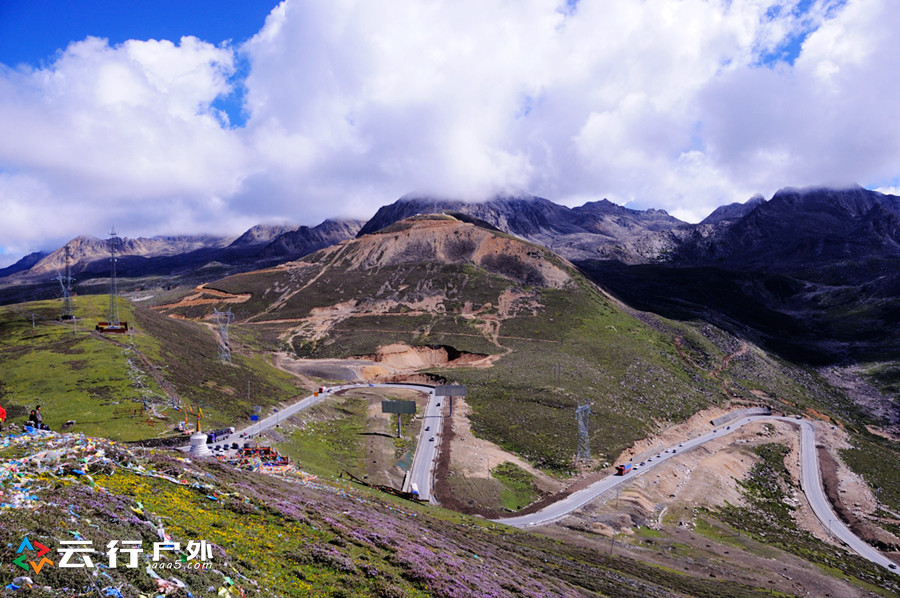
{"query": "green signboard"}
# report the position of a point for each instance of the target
(451, 390)
(398, 407)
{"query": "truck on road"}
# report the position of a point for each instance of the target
(623, 469)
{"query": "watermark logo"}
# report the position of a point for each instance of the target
(27, 547)
(80, 553)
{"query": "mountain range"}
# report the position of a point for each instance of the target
(811, 273)
(165, 260)
(599, 229)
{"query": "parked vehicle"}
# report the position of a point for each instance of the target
(212, 436)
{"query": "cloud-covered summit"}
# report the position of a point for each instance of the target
(682, 105)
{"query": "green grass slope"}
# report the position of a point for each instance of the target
(560, 341)
(124, 386)
(280, 537)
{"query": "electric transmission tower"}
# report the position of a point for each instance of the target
(223, 319)
(584, 440)
(113, 242)
(66, 283)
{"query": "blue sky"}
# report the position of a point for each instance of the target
(34, 32)
(210, 116)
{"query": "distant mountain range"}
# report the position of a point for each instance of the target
(795, 229)
(166, 260)
(599, 229)
(812, 273)
(799, 231)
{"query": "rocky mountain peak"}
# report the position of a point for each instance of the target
(86, 249)
(599, 229)
(443, 238)
(802, 228)
(262, 234)
(733, 211)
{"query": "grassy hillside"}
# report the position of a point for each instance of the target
(559, 341)
(124, 386)
(285, 537)
(189, 354)
(73, 372)
(580, 349)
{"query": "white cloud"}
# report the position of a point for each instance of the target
(827, 120)
(675, 104)
(118, 133)
(620, 99)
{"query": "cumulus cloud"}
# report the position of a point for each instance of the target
(116, 134)
(675, 104)
(824, 120)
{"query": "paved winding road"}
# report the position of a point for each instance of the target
(421, 472)
(811, 483)
(273, 420)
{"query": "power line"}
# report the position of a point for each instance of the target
(582, 412)
(223, 319)
(113, 243)
(66, 283)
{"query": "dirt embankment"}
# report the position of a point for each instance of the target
(397, 362)
(469, 460)
(852, 501)
(702, 477)
(671, 497)
(706, 477)
(204, 296)
(402, 358)
(346, 370)
(705, 472)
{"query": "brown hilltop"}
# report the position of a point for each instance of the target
(443, 238)
(425, 281)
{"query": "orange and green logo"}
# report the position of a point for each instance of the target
(27, 547)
